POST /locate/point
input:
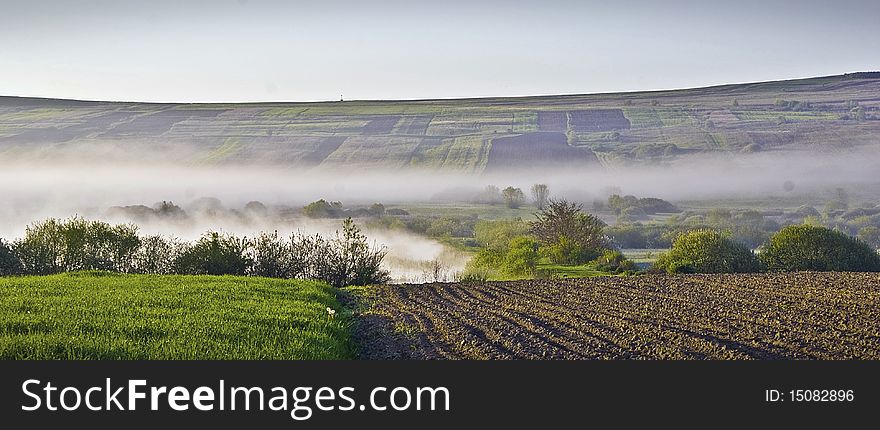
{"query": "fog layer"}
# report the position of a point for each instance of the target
(32, 191)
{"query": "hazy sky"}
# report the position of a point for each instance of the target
(255, 50)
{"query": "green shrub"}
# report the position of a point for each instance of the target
(214, 254)
(522, 256)
(567, 252)
(485, 264)
(9, 263)
(498, 234)
(352, 260)
(55, 246)
(322, 209)
(639, 236)
(157, 255)
(633, 213)
(272, 257)
(807, 247)
(614, 261)
(707, 251)
(568, 235)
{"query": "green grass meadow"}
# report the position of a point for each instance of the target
(103, 316)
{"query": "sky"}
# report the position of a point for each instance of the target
(264, 50)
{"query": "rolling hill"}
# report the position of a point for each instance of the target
(465, 135)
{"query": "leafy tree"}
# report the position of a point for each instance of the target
(490, 195)
(513, 197)
(807, 247)
(322, 209)
(256, 208)
(169, 210)
(9, 263)
(377, 209)
(540, 195)
(569, 233)
(707, 251)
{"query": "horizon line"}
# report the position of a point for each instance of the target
(439, 99)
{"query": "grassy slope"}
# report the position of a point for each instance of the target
(108, 316)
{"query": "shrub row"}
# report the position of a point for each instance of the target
(56, 246)
(794, 248)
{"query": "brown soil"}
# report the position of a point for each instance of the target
(768, 316)
(538, 150)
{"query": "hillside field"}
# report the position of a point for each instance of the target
(833, 113)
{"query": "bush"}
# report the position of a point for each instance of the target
(9, 263)
(498, 234)
(351, 260)
(157, 255)
(653, 205)
(522, 256)
(486, 263)
(55, 246)
(566, 252)
(614, 261)
(807, 247)
(707, 251)
(639, 236)
(633, 213)
(567, 234)
(271, 257)
(214, 254)
(322, 209)
(450, 226)
(519, 257)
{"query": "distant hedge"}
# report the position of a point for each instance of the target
(808, 247)
(707, 251)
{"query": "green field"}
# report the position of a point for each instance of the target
(97, 315)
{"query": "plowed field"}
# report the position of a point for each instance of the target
(767, 316)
